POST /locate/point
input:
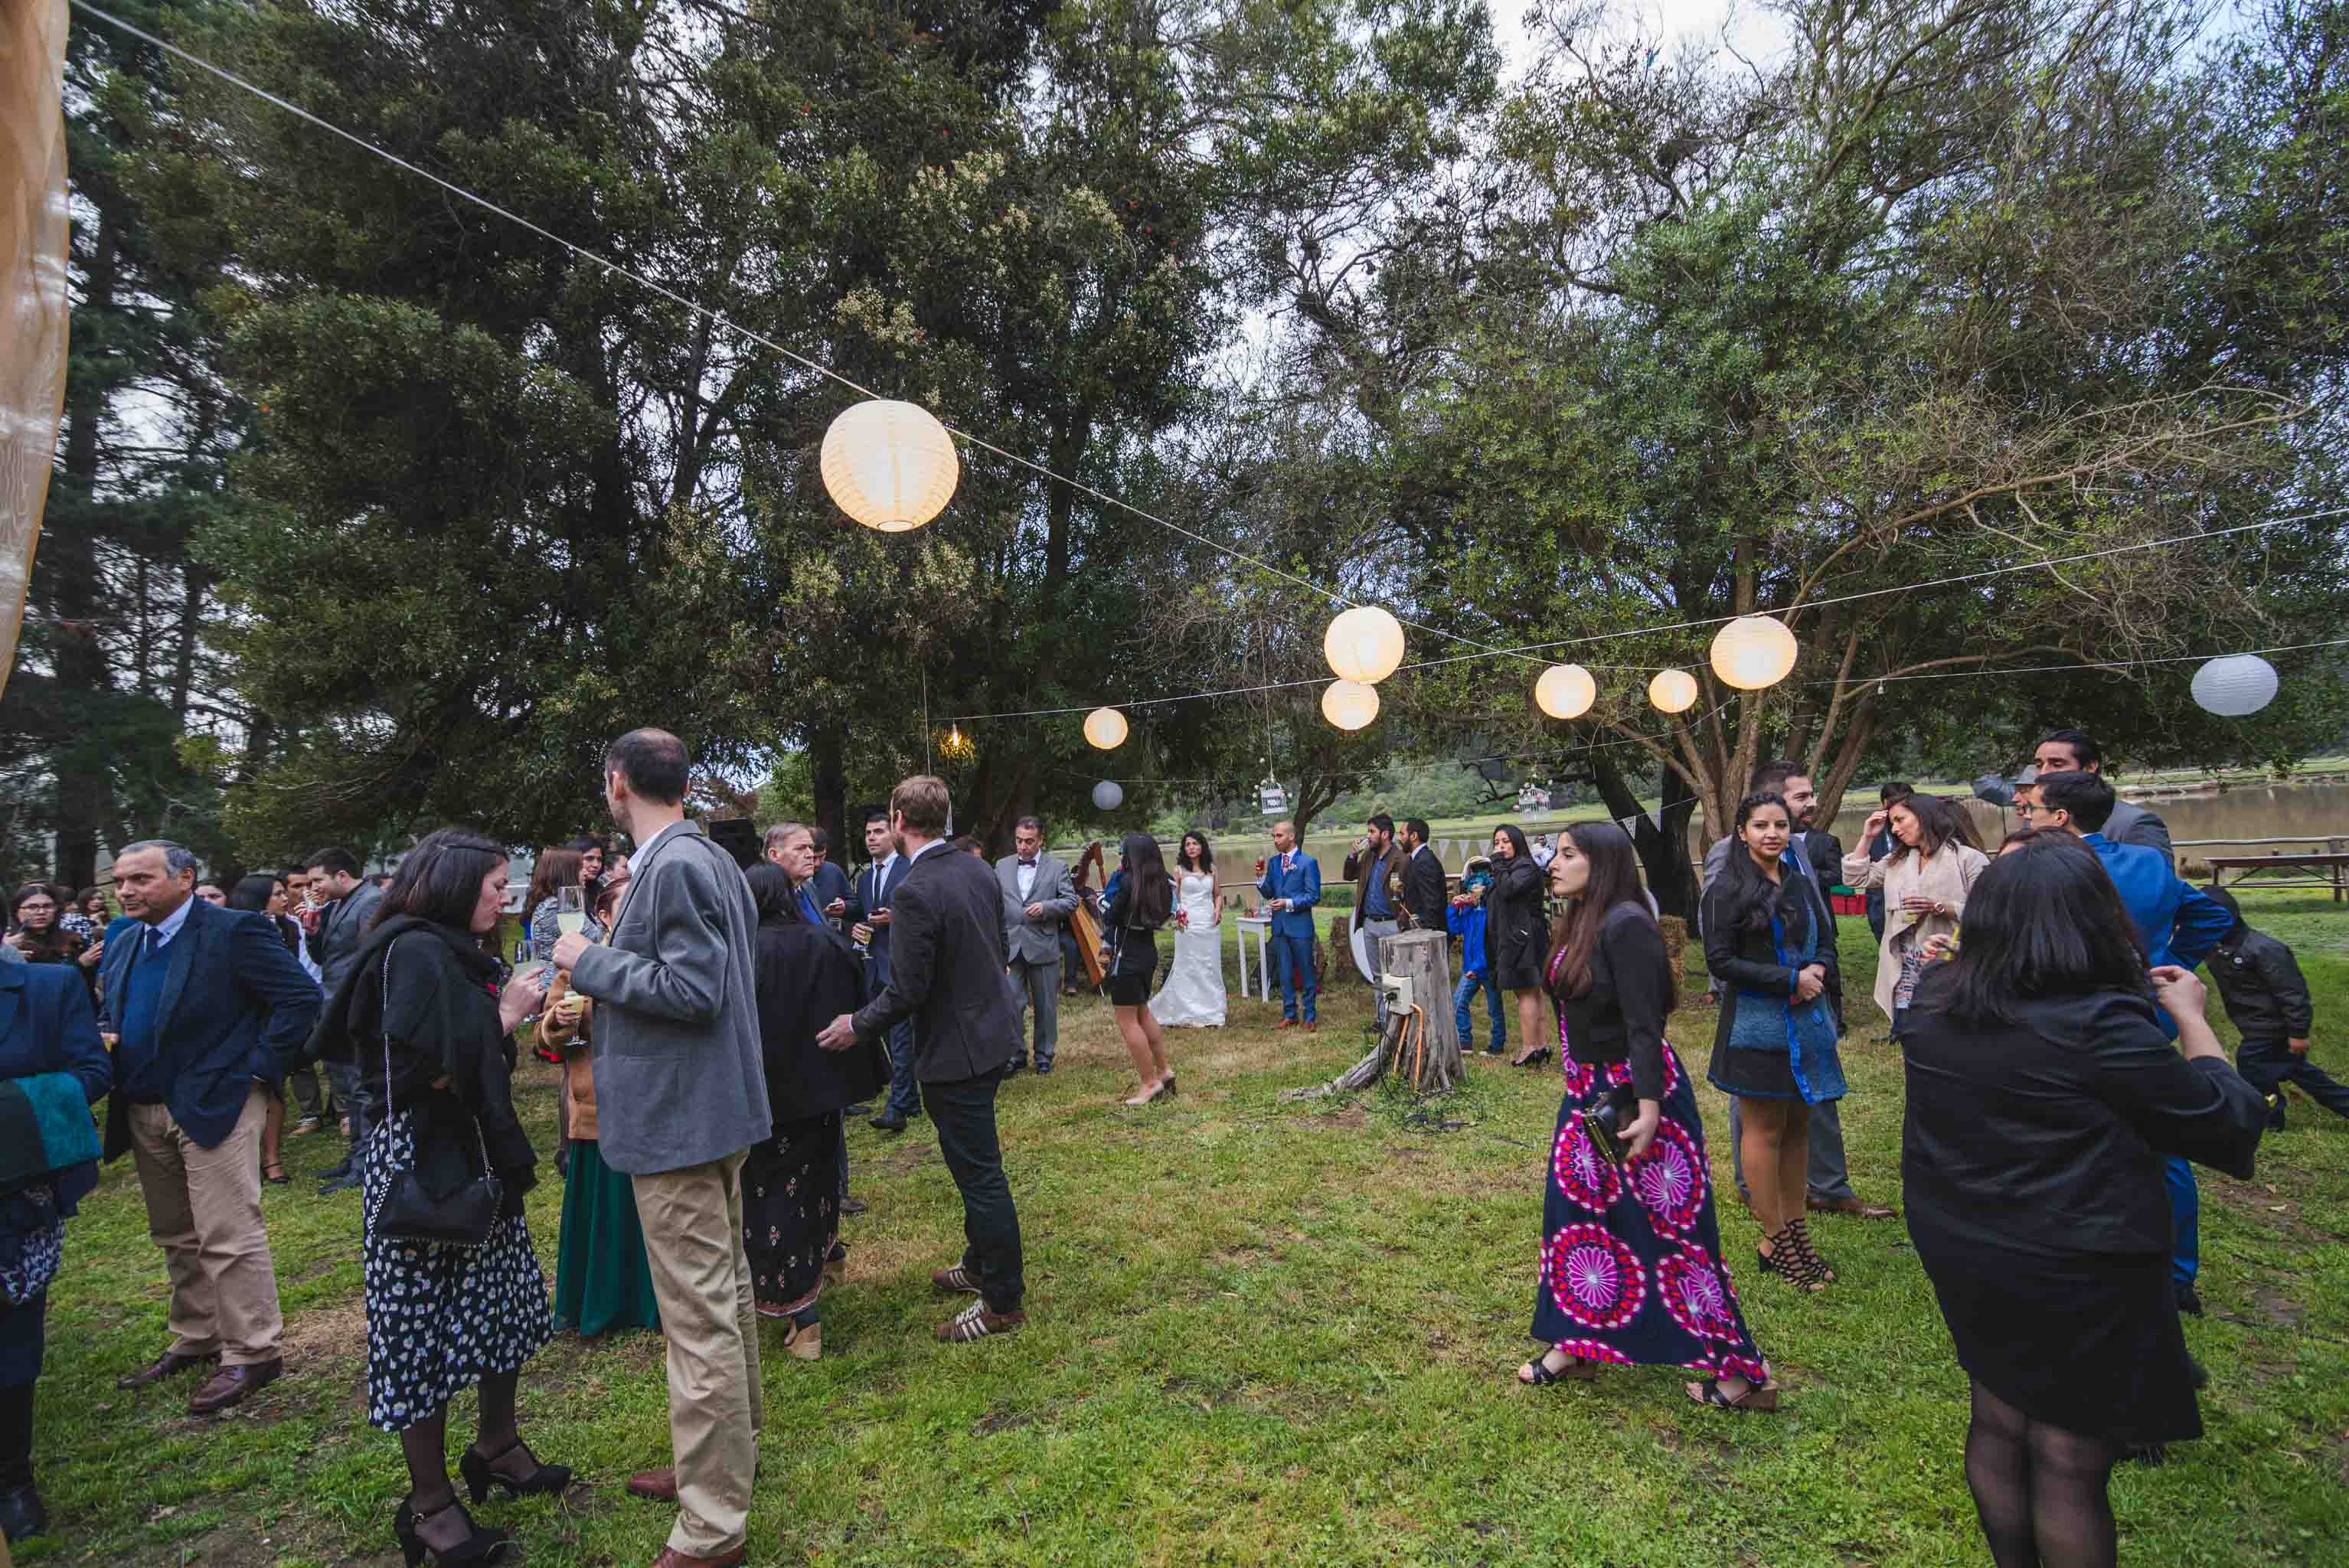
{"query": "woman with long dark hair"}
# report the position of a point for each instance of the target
(1516, 935)
(1140, 899)
(1631, 1271)
(2044, 1098)
(554, 871)
(1769, 945)
(264, 893)
(1924, 880)
(41, 935)
(422, 1014)
(1193, 996)
(806, 976)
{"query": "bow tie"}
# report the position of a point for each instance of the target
(1028, 865)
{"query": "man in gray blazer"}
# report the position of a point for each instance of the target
(334, 929)
(1037, 898)
(680, 1094)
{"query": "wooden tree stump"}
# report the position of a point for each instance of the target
(1423, 1047)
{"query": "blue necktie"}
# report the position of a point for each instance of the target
(154, 940)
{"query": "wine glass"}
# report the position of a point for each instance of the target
(571, 909)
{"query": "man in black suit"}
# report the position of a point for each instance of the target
(945, 973)
(1424, 890)
(869, 898)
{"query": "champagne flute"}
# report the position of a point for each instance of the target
(571, 909)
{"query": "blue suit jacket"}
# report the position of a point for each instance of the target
(1301, 886)
(47, 1025)
(235, 1007)
(2177, 922)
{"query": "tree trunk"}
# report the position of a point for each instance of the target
(76, 593)
(1661, 841)
(1421, 1045)
(828, 782)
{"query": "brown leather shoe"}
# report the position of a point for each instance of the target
(1286, 1023)
(979, 1321)
(1312, 1026)
(671, 1557)
(231, 1385)
(1850, 1206)
(653, 1486)
(170, 1364)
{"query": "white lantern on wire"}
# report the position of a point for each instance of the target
(1105, 729)
(1349, 704)
(1672, 691)
(1364, 645)
(1565, 691)
(889, 465)
(1753, 651)
(1107, 795)
(2235, 685)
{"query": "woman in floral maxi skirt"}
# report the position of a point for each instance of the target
(1631, 1271)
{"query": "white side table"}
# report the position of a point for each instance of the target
(1260, 926)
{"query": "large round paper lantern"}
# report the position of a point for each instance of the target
(1349, 704)
(1753, 651)
(1108, 795)
(1565, 691)
(890, 465)
(1105, 727)
(2235, 685)
(1672, 691)
(1364, 645)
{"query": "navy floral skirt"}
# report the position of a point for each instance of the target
(791, 1211)
(439, 1318)
(1631, 1271)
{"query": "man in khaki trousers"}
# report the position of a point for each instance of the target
(680, 1095)
(205, 1001)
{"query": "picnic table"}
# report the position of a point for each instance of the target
(2293, 868)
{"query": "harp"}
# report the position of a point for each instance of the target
(1082, 922)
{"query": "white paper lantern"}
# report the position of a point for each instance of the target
(1565, 691)
(1105, 727)
(1108, 795)
(1364, 646)
(2235, 685)
(889, 465)
(1753, 651)
(1349, 704)
(1672, 691)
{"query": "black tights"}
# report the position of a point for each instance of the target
(425, 1445)
(2038, 1489)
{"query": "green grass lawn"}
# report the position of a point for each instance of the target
(1259, 1332)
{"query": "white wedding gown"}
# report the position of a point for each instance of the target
(1193, 996)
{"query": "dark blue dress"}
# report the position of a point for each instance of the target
(47, 1025)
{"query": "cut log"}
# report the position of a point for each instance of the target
(1423, 1046)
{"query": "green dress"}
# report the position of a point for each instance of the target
(602, 1280)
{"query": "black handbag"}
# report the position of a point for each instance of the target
(1615, 1110)
(405, 1211)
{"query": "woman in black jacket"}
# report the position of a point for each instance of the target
(1631, 1271)
(421, 1015)
(805, 977)
(2043, 1099)
(1516, 935)
(1139, 899)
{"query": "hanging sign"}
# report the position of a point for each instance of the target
(1271, 797)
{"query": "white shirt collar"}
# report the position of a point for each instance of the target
(168, 926)
(933, 844)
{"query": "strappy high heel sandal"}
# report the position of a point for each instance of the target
(1807, 1253)
(479, 1545)
(1785, 1260)
(480, 1476)
(1536, 1373)
(1757, 1396)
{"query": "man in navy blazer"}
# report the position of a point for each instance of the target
(205, 1001)
(1292, 885)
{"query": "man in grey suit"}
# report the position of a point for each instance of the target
(1037, 900)
(680, 1095)
(333, 930)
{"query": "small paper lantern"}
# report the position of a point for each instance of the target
(1105, 727)
(1565, 691)
(1364, 646)
(1108, 795)
(1753, 651)
(889, 465)
(1672, 691)
(2235, 685)
(1349, 704)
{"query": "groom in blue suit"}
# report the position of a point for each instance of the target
(1292, 886)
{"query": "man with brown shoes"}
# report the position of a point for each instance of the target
(206, 1001)
(945, 973)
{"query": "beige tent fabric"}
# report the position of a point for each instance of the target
(32, 305)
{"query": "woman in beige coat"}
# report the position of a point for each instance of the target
(1933, 862)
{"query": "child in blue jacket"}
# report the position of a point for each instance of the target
(1466, 918)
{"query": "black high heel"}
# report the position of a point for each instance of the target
(1535, 1057)
(480, 1478)
(479, 1545)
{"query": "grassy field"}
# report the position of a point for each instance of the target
(1259, 1332)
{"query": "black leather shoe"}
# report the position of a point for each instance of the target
(2187, 1301)
(854, 1206)
(1043, 1069)
(858, 1109)
(22, 1517)
(887, 1123)
(338, 1184)
(1017, 1065)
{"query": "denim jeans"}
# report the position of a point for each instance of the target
(964, 1113)
(1463, 994)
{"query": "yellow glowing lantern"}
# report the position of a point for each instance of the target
(1672, 691)
(1349, 704)
(890, 465)
(1565, 691)
(1105, 727)
(1364, 646)
(1753, 651)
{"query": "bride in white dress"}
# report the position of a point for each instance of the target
(1193, 994)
